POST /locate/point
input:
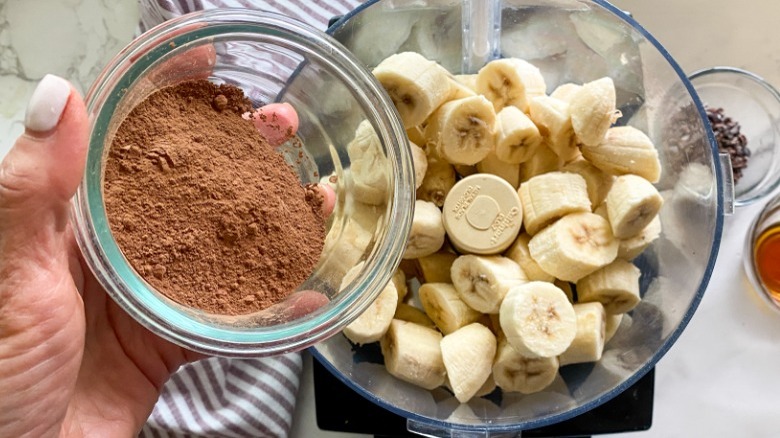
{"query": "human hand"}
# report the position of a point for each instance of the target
(71, 361)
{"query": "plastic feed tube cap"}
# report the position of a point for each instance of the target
(482, 214)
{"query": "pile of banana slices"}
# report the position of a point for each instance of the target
(549, 286)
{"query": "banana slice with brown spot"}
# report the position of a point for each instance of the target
(632, 203)
(444, 306)
(463, 130)
(615, 286)
(483, 281)
(416, 85)
(576, 245)
(514, 372)
(510, 81)
(625, 150)
(412, 353)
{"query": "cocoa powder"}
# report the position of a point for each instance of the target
(203, 208)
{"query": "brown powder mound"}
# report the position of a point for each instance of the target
(203, 208)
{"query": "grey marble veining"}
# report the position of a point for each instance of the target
(70, 38)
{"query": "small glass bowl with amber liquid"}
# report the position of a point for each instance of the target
(762, 253)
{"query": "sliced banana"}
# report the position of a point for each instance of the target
(510, 81)
(345, 246)
(552, 117)
(552, 195)
(463, 130)
(439, 180)
(625, 150)
(435, 268)
(616, 286)
(494, 166)
(544, 160)
(520, 254)
(372, 324)
(630, 247)
(468, 358)
(517, 137)
(420, 161)
(566, 91)
(598, 181)
(445, 308)
(632, 203)
(399, 281)
(412, 353)
(538, 320)
(350, 275)
(368, 166)
(367, 216)
(574, 246)
(486, 388)
(416, 85)
(483, 281)
(593, 111)
(427, 233)
(514, 372)
(406, 312)
(588, 343)
(469, 81)
(458, 90)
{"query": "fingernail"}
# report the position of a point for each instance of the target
(47, 103)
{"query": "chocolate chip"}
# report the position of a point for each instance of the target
(730, 139)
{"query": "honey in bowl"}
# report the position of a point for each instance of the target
(767, 259)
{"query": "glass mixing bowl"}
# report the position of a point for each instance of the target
(755, 104)
(273, 58)
(570, 41)
(761, 270)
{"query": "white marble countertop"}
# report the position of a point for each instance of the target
(73, 39)
(717, 380)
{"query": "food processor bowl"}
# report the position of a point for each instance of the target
(569, 41)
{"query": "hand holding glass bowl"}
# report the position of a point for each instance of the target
(273, 59)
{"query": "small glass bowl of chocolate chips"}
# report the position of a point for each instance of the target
(213, 230)
(744, 112)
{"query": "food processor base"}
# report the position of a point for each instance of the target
(630, 411)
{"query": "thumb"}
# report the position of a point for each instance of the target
(43, 169)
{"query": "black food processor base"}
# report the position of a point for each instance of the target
(630, 411)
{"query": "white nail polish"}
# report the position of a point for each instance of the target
(47, 103)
